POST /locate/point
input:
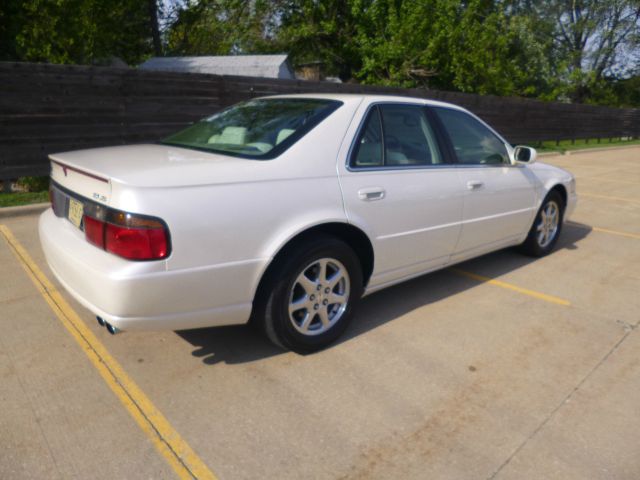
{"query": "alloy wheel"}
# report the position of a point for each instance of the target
(547, 227)
(319, 296)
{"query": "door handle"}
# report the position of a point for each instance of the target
(474, 184)
(370, 194)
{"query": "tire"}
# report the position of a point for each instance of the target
(546, 228)
(295, 307)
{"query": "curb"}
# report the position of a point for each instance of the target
(8, 212)
(588, 150)
(601, 149)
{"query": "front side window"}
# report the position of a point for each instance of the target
(395, 135)
(260, 129)
(472, 141)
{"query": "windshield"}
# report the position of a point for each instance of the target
(260, 129)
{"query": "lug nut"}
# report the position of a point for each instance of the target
(326, 290)
(325, 301)
(312, 297)
(316, 306)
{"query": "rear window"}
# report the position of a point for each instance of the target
(258, 129)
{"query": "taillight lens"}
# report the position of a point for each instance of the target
(136, 243)
(127, 235)
(94, 231)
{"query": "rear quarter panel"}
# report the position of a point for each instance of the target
(239, 223)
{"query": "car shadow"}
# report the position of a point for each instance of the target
(232, 345)
(242, 343)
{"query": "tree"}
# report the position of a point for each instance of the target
(572, 50)
(550, 49)
(627, 92)
(74, 31)
(155, 27)
(596, 40)
(326, 31)
(223, 27)
(471, 46)
(490, 51)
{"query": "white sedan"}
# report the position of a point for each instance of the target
(288, 209)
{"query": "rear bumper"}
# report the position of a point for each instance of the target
(145, 295)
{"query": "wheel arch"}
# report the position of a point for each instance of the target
(562, 191)
(349, 234)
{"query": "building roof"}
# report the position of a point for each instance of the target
(266, 66)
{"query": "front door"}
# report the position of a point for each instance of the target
(500, 196)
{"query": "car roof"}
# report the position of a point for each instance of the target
(350, 97)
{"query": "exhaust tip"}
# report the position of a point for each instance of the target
(101, 321)
(111, 329)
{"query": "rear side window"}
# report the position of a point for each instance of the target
(395, 135)
(473, 142)
(260, 129)
(368, 151)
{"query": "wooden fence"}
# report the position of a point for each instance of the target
(51, 108)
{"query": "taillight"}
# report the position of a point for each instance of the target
(94, 231)
(127, 235)
(136, 243)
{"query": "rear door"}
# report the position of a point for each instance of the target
(400, 187)
(499, 200)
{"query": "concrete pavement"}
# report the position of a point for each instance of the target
(441, 377)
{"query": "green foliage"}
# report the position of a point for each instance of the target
(594, 41)
(223, 27)
(577, 50)
(74, 31)
(34, 184)
(626, 91)
(547, 49)
(471, 46)
(584, 144)
(21, 198)
(325, 31)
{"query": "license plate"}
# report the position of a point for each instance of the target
(76, 211)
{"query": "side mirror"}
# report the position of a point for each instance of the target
(525, 154)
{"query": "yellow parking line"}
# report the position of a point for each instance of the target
(165, 438)
(605, 230)
(509, 286)
(607, 197)
(601, 179)
(615, 232)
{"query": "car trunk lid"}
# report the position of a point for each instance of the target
(90, 172)
(82, 181)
